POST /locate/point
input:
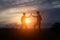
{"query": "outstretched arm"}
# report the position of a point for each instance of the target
(29, 15)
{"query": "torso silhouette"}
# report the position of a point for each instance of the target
(23, 20)
(39, 20)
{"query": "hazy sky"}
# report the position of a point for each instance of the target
(10, 10)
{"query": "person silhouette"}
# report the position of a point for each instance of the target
(39, 18)
(23, 19)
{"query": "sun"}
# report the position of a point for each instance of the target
(27, 20)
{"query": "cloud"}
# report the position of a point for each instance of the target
(43, 4)
(10, 3)
(8, 8)
(56, 4)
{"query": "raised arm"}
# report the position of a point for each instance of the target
(29, 15)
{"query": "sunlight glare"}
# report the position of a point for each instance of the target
(27, 20)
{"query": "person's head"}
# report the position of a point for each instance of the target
(38, 12)
(24, 13)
